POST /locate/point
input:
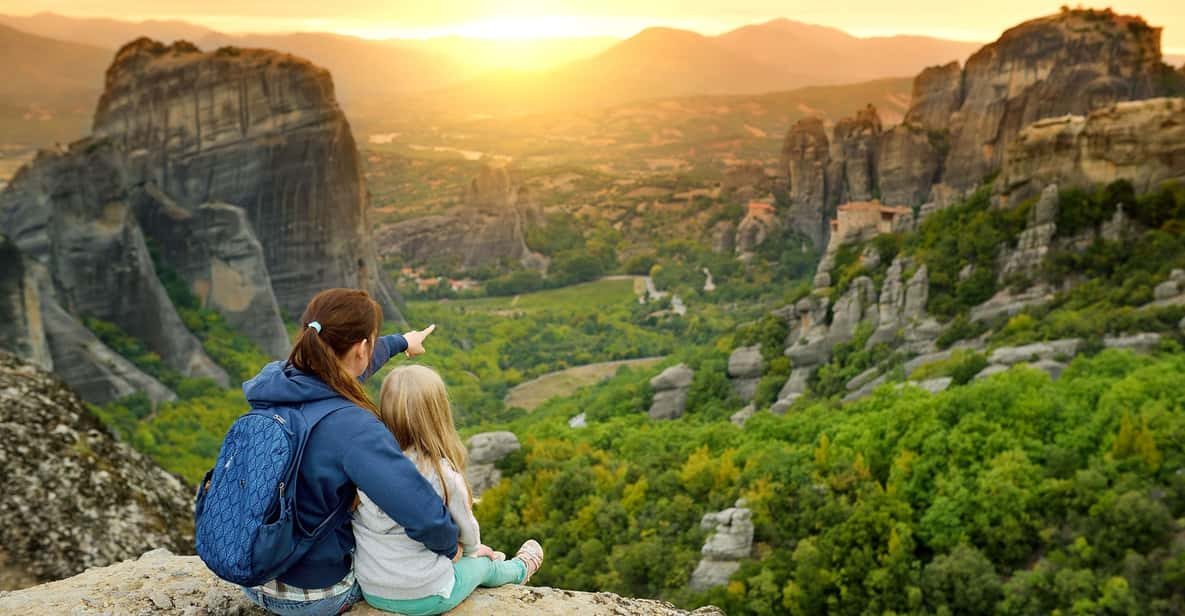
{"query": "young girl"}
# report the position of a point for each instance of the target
(398, 573)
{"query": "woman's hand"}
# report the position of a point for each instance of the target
(415, 340)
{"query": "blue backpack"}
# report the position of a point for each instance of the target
(245, 517)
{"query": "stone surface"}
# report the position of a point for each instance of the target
(74, 496)
(1053, 368)
(990, 370)
(72, 214)
(852, 174)
(753, 230)
(730, 543)
(935, 385)
(578, 421)
(22, 330)
(1068, 63)
(487, 229)
(740, 417)
(486, 449)
(1141, 343)
(675, 377)
(160, 583)
(744, 370)
(1140, 141)
(490, 447)
(670, 392)
(962, 122)
(215, 250)
(1034, 242)
(258, 129)
(1007, 303)
(88, 366)
(805, 158)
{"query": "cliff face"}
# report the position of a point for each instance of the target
(70, 213)
(488, 228)
(1140, 141)
(1071, 63)
(961, 123)
(161, 583)
(256, 129)
(237, 166)
(74, 497)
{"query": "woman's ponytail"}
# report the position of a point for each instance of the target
(334, 321)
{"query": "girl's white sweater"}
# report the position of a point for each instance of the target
(391, 565)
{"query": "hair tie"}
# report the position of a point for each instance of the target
(315, 325)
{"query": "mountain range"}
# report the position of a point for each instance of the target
(60, 58)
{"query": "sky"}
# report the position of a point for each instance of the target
(969, 21)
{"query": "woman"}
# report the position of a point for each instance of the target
(337, 349)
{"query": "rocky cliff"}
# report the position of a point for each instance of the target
(257, 129)
(487, 229)
(235, 170)
(961, 122)
(1140, 141)
(160, 583)
(74, 497)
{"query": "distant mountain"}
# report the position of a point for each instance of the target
(829, 55)
(497, 54)
(101, 32)
(666, 62)
(46, 73)
(360, 67)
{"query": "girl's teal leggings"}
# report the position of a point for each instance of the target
(470, 573)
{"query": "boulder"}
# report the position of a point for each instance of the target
(490, 447)
(990, 370)
(675, 377)
(935, 385)
(740, 417)
(75, 496)
(783, 404)
(578, 421)
(866, 389)
(160, 583)
(744, 370)
(731, 543)
(486, 449)
(1166, 290)
(1140, 343)
(1007, 303)
(1053, 368)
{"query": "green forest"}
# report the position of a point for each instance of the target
(1012, 494)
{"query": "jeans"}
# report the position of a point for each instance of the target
(318, 607)
(469, 573)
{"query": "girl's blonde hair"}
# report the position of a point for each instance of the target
(414, 406)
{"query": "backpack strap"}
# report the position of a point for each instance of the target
(313, 414)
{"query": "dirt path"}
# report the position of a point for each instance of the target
(530, 394)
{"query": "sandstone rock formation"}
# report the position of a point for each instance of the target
(1140, 141)
(20, 307)
(70, 212)
(488, 229)
(237, 165)
(160, 583)
(670, 392)
(214, 249)
(806, 157)
(485, 450)
(1036, 240)
(745, 366)
(260, 130)
(962, 123)
(724, 550)
(74, 496)
(1069, 63)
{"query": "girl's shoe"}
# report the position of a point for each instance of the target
(531, 555)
